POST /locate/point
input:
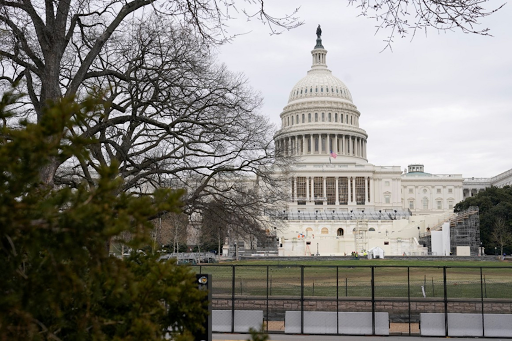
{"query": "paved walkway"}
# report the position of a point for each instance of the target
(282, 337)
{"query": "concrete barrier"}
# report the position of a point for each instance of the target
(466, 325)
(350, 323)
(244, 319)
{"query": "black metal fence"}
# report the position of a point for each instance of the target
(404, 292)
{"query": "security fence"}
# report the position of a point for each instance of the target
(367, 300)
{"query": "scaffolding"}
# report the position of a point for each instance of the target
(360, 235)
(465, 231)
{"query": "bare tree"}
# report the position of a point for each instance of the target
(501, 234)
(171, 229)
(50, 47)
(404, 17)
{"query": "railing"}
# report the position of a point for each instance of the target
(407, 294)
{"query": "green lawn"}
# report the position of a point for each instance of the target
(327, 278)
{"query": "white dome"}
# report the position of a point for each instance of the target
(320, 83)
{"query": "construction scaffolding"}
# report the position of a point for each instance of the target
(465, 231)
(360, 235)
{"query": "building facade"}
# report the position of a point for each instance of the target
(340, 203)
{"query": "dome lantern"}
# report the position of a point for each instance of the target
(319, 53)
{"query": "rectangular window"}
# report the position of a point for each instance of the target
(387, 199)
(439, 204)
(331, 190)
(450, 205)
(308, 141)
(323, 117)
(450, 191)
(386, 183)
(360, 195)
(343, 191)
(439, 191)
(318, 190)
(301, 190)
(323, 144)
(316, 144)
(410, 190)
(411, 204)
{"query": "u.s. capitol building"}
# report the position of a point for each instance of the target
(340, 203)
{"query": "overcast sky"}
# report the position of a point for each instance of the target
(443, 100)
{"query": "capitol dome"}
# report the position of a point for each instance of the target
(320, 83)
(321, 119)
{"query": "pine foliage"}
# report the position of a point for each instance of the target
(58, 280)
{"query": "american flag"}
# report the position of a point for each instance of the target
(333, 154)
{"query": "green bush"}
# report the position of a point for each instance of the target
(57, 279)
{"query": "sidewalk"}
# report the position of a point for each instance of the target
(283, 337)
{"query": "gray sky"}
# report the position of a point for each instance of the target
(443, 100)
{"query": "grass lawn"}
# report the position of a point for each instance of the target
(331, 278)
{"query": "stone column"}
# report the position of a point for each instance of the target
(304, 144)
(349, 201)
(307, 190)
(336, 144)
(324, 192)
(365, 190)
(337, 190)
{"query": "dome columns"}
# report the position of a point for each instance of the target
(322, 144)
(328, 190)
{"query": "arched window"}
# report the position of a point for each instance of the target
(371, 229)
(316, 117)
(329, 117)
(323, 117)
(340, 232)
(336, 117)
(303, 118)
(309, 231)
(425, 203)
(309, 117)
(324, 230)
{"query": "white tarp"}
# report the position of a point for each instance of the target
(375, 252)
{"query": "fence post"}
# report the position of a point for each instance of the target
(302, 299)
(267, 297)
(482, 299)
(373, 300)
(409, 296)
(445, 303)
(233, 300)
(337, 301)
